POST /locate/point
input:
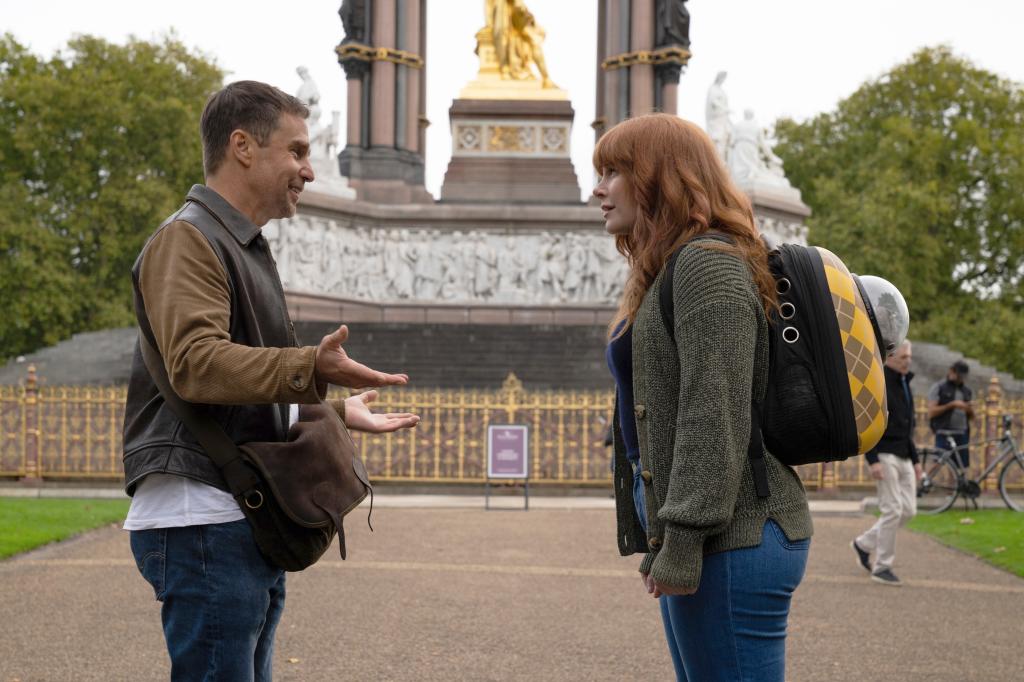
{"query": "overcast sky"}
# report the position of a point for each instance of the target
(784, 57)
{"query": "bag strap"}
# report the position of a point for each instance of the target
(755, 444)
(219, 447)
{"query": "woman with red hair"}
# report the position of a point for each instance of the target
(722, 561)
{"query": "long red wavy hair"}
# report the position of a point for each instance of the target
(681, 189)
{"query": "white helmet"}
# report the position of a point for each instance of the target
(889, 309)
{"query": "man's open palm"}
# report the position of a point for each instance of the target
(359, 417)
(334, 366)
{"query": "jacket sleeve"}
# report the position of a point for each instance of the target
(187, 299)
(716, 331)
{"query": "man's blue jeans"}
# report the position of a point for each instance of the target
(734, 627)
(221, 599)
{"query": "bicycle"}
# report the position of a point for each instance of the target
(944, 477)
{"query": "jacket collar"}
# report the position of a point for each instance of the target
(896, 375)
(240, 227)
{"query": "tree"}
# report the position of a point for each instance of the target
(97, 145)
(917, 177)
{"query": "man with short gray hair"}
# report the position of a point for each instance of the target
(896, 471)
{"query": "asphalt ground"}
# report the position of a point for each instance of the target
(466, 594)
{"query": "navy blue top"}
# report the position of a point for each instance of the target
(619, 354)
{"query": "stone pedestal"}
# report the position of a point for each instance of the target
(511, 151)
(329, 179)
(779, 212)
(384, 174)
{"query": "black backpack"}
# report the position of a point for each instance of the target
(826, 387)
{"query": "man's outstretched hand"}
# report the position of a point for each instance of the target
(359, 417)
(334, 366)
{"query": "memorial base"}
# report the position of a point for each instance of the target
(511, 151)
(384, 175)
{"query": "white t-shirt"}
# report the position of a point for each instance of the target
(169, 501)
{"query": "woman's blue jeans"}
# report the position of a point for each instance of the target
(221, 599)
(734, 626)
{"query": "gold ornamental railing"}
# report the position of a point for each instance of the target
(69, 433)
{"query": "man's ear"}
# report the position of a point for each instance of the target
(242, 147)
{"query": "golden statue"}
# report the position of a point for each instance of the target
(510, 47)
(517, 40)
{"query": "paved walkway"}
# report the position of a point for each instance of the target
(464, 594)
(391, 499)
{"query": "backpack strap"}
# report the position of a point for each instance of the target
(755, 444)
(668, 313)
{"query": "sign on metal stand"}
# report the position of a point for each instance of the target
(508, 458)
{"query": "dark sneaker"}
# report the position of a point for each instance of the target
(863, 558)
(886, 577)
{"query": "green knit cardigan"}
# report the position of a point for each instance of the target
(692, 408)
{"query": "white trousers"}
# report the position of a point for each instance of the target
(897, 500)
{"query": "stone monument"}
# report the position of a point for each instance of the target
(511, 125)
(755, 168)
(716, 112)
(323, 141)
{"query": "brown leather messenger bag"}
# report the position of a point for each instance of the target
(294, 494)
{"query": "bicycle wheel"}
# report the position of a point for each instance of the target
(1011, 484)
(938, 488)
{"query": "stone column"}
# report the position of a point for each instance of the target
(610, 105)
(641, 75)
(382, 77)
(620, 45)
(421, 118)
(669, 100)
(411, 43)
(600, 120)
(643, 46)
(354, 116)
(383, 157)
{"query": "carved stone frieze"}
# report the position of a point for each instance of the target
(781, 231)
(318, 255)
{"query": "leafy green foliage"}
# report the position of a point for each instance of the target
(97, 146)
(917, 177)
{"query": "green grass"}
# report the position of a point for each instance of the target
(996, 536)
(26, 523)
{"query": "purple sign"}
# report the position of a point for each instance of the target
(507, 452)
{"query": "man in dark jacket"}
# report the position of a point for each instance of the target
(950, 412)
(895, 468)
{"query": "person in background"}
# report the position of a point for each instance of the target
(950, 411)
(896, 470)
